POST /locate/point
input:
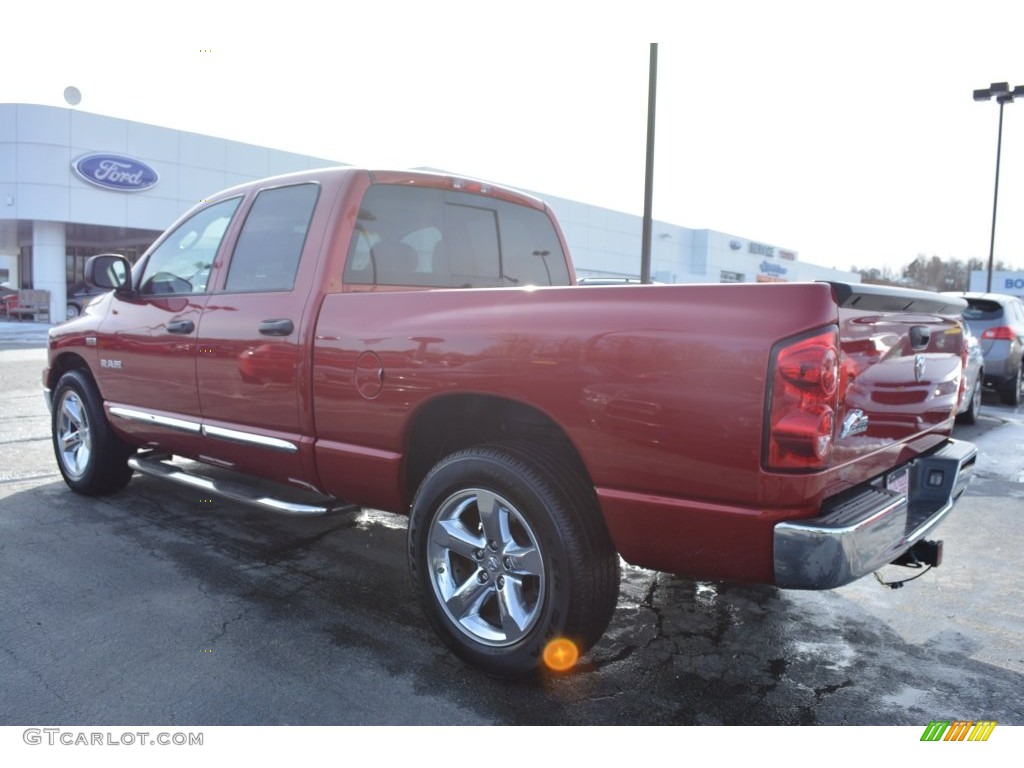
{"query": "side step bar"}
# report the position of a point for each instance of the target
(236, 489)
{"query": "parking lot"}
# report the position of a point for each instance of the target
(158, 605)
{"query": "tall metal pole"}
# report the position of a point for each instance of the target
(1003, 94)
(995, 201)
(652, 93)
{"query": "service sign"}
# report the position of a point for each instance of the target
(116, 172)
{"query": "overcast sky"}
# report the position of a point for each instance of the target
(844, 131)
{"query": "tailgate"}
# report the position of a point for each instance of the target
(901, 369)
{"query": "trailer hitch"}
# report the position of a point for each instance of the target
(923, 555)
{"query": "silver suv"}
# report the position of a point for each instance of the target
(998, 321)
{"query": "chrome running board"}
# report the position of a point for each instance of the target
(255, 492)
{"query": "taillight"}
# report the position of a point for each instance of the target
(999, 333)
(802, 402)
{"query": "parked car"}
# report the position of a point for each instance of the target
(8, 299)
(79, 296)
(974, 379)
(998, 321)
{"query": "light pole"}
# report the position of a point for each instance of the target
(645, 234)
(1003, 95)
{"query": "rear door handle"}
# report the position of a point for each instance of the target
(181, 326)
(276, 327)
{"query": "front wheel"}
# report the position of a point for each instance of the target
(970, 416)
(508, 554)
(91, 458)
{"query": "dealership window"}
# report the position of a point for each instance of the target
(87, 240)
(78, 255)
(725, 276)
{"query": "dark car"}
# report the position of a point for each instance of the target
(79, 297)
(998, 321)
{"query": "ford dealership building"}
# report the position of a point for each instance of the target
(74, 184)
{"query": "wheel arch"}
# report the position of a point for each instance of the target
(452, 422)
(68, 361)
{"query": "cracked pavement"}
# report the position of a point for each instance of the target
(159, 605)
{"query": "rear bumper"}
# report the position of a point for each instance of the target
(872, 525)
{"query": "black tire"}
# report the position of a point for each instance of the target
(73, 311)
(508, 551)
(970, 416)
(1011, 393)
(91, 458)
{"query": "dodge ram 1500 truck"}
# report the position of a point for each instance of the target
(415, 343)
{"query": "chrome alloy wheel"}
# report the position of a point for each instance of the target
(74, 442)
(486, 567)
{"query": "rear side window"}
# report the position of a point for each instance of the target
(430, 237)
(267, 253)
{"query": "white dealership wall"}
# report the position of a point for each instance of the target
(40, 196)
(606, 243)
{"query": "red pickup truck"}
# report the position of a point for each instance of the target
(415, 343)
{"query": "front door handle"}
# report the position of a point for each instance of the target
(180, 326)
(276, 327)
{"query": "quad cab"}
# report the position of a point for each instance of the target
(416, 343)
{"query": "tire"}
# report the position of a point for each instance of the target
(73, 311)
(1011, 393)
(91, 458)
(509, 552)
(970, 416)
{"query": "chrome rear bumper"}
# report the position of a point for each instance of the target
(872, 525)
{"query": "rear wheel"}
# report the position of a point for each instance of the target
(509, 553)
(91, 458)
(1011, 393)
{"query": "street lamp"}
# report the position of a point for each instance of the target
(1003, 95)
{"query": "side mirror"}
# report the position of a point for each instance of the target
(109, 271)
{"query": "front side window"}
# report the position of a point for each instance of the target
(181, 263)
(419, 236)
(266, 257)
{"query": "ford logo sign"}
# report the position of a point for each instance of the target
(735, 244)
(116, 172)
